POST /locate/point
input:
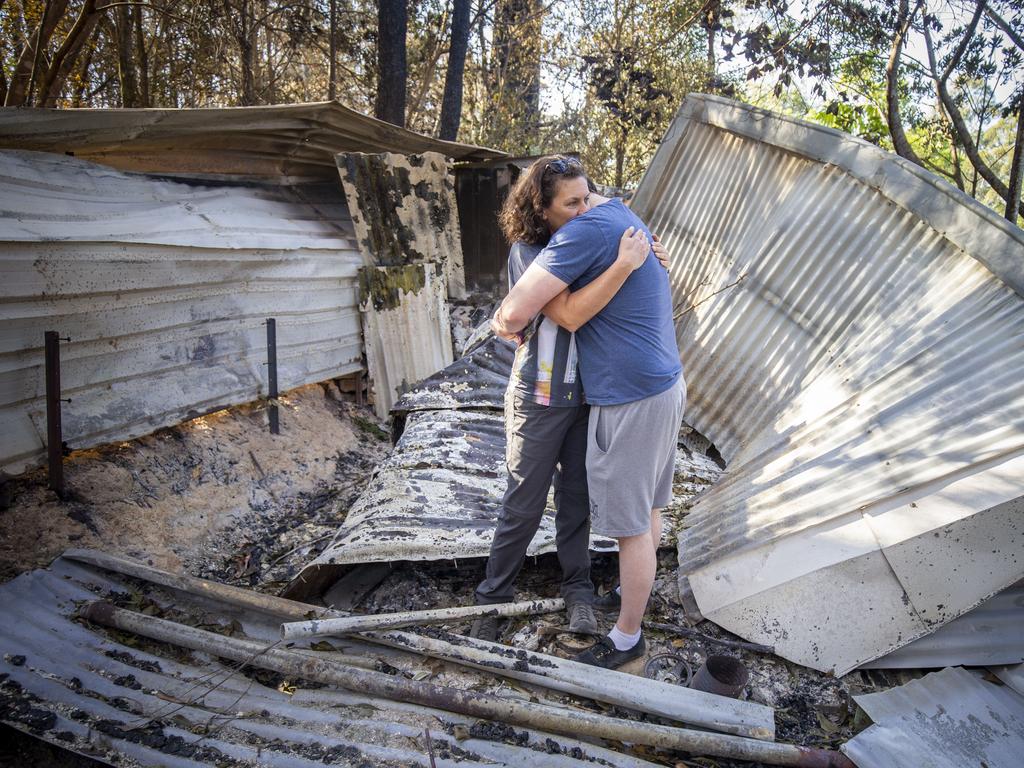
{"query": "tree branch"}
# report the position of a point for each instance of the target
(1007, 29)
(960, 126)
(892, 98)
(954, 58)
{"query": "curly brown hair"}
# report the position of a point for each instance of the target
(520, 217)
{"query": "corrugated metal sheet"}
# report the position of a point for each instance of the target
(949, 718)
(406, 327)
(163, 288)
(989, 634)
(273, 141)
(1012, 676)
(476, 380)
(859, 369)
(438, 495)
(101, 694)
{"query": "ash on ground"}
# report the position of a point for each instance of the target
(221, 498)
(812, 708)
(217, 497)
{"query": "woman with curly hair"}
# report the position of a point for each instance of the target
(545, 411)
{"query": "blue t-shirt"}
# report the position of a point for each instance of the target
(628, 350)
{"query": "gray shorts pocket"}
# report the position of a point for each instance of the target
(602, 438)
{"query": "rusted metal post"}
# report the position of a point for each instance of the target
(275, 426)
(54, 438)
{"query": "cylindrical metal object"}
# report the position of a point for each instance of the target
(341, 626)
(275, 426)
(54, 438)
(721, 675)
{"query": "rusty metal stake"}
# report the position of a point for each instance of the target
(54, 438)
(275, 427)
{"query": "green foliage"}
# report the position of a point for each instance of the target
(601, 77)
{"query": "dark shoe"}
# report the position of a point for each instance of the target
(608, 602)
(604, 654)
(484, 628)
(582, 619)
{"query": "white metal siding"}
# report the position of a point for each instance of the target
(863, 380)
(163, 288)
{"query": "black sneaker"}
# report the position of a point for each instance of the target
(608, 602)
(604, 654)
(484, 628)
(582, 619)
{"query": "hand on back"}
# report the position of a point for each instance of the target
(633, 248)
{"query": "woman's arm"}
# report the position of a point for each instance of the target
(574, 309)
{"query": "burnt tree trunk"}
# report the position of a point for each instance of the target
(332, 64)
(515, 73)
(25, 68)
(392, 22)
(142, 60)
(451, 104)
(241, 22)
(125, 66)
(67, 54)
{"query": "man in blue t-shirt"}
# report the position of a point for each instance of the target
(632, 376)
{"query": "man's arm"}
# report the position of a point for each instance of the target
(531, 292)
(571, 310)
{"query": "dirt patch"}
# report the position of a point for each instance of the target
(217, 496)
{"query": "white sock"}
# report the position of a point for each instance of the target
(621, 640)
(618, 590)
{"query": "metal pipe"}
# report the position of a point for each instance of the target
(275, 426)
(577, 723)
(235, 596)
(349, 624)
(54, 438)
(742, 718)
(750, 719)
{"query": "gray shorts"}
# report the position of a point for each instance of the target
(631, 455)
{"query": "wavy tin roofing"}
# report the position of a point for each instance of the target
(163, 288)
(989, 634)
(438, 495)
(948, 718)
(290, 140)
(131, 702)
(476, 380)
(852, 330)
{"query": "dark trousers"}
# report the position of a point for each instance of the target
(543, 443)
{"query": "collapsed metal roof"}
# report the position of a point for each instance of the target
(280, 140)
(852, 331)
(952, 717)
(986, 635)
(476, 380)
(110, 696)
(438, 495)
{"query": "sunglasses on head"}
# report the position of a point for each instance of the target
(563, 164)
